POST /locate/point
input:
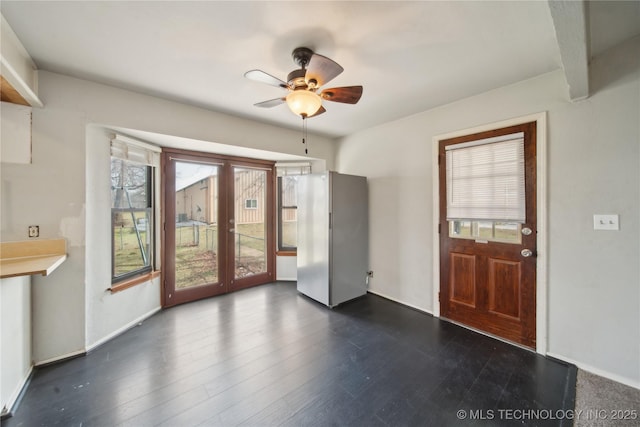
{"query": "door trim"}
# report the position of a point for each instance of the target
(541, 212)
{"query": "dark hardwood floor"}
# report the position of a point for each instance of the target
(270, 356)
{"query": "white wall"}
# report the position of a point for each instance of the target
(50, 193)
(15, 338)
(108, 314)
(71, 310)
(287, 268)
(15, 133)
(594, 163)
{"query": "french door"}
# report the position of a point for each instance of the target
(488, 263)
(218, 225)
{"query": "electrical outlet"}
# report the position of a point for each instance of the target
(34, 230)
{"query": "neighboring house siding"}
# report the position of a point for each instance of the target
(198, 202)
(251, 185)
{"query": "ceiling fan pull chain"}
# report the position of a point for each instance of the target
(304, 142)
(304, 135)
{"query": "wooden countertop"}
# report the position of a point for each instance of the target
(31, 257)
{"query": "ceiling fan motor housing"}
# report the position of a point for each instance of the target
(302, 56)
(296, 80)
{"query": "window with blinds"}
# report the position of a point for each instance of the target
(135, 151)
(486, 188)
(288, 203)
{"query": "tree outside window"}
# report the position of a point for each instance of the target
(131, 219)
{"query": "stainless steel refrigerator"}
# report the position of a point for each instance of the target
(333, 237)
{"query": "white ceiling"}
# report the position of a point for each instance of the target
(409, 56)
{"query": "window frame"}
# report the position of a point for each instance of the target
(251, 207)
(284, 169)
(474, 233)
(122, 281)
(281, 207)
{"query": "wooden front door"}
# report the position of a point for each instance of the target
(218, 217)
(488, 265)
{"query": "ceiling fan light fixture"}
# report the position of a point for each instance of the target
(304, 103)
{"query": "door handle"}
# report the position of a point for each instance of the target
(231, 230)
(526, 253)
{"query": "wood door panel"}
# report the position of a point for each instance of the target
(504, 286)
(497, 325)
(462, 279)
(500, 298)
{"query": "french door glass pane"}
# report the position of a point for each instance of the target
(250, 242)
(196, 222)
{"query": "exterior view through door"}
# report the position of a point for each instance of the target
(218, 225)
(488, 232)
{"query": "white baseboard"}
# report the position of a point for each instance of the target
(597, 371)
(61, 357)
(10, 405)
(123, 329)
(380, 294)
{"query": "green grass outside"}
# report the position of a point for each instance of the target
(505, 232)
(196, 252)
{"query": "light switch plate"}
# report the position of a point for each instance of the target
(606, 222)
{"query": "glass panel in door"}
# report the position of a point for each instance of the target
(196, 224)
(250, 231)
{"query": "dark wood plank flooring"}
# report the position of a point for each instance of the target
(270, 356)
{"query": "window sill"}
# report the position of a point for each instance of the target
(126, 284)
(286, 253)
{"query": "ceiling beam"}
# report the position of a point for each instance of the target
(570, 22)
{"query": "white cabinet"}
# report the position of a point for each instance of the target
(15, 338)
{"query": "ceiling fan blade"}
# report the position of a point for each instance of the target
(317, 113)
(262, 77)
(271, 103)
(322, 69)
(347, 94)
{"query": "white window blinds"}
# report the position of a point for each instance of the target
(290, 168)
(485, 179)
(125, 148)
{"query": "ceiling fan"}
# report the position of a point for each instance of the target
(305, 96)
